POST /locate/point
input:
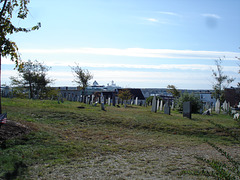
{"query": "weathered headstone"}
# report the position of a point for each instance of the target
(158, 103)
(187, 109)
(102, 102)
(113, 100)
(161, 105)
(136, 101)
(225, 106)
(167, 109)
(154, 104)
(217, 106)
(92, 99)
(172, 107)
(109, 101)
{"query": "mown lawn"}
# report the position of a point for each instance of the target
(63, 133)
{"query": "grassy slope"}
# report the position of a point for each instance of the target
(63, 133)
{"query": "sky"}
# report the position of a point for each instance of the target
(135, 43)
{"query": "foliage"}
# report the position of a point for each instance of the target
(220, 170)
(194, 99)
(125, 94)
(7, 11)
(173, 90)
(150, 98)
(221, 81)
(33, 77)
(82, 76)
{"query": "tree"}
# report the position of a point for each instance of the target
(33, 76)
(173, 90)
(125, 94)
(8, 47)
(221, 81)
(82, 77)
(194, 99)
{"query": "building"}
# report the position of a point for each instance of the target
(232, 95)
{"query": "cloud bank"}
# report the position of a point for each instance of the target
(140, 52)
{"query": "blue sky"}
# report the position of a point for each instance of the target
(136, 43)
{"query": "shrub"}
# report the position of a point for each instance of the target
(194, 99)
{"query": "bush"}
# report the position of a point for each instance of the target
(194, 99)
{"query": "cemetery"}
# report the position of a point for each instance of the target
(116, 138)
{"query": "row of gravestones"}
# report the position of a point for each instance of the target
(187, 110)
(103, 100)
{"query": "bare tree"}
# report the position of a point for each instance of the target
(221, 81)
(82, 77)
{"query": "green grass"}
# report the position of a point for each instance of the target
(62, 133)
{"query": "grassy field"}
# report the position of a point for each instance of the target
(68, 142)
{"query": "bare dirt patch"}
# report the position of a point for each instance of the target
(12, 129)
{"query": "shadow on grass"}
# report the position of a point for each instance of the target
(19, 169)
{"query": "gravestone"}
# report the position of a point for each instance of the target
(114, 100)
(172, 107)
(225, 106)
(187, 109)
(102, 102)
(109, 101)
(92, 99)
(217, 106)
(136, 101)
(158, 103)
(154, 104)
(161, 105)
(167, 109)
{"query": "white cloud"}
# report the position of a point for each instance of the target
(168, 13)
(140, 52)
(151, 19)
(212, 16)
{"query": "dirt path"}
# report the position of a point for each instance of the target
(164, 163)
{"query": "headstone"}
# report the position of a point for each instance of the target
(161, 105)
(102, 107)
(167, 109)
(217, 106)
(154, 104)
(109, 101)
(158, 103)
(136, 101)
(113, 100)
(172, 107)
(92, 99)
(207, 112)
(102, 102)
(187, 109)
(225, 106)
